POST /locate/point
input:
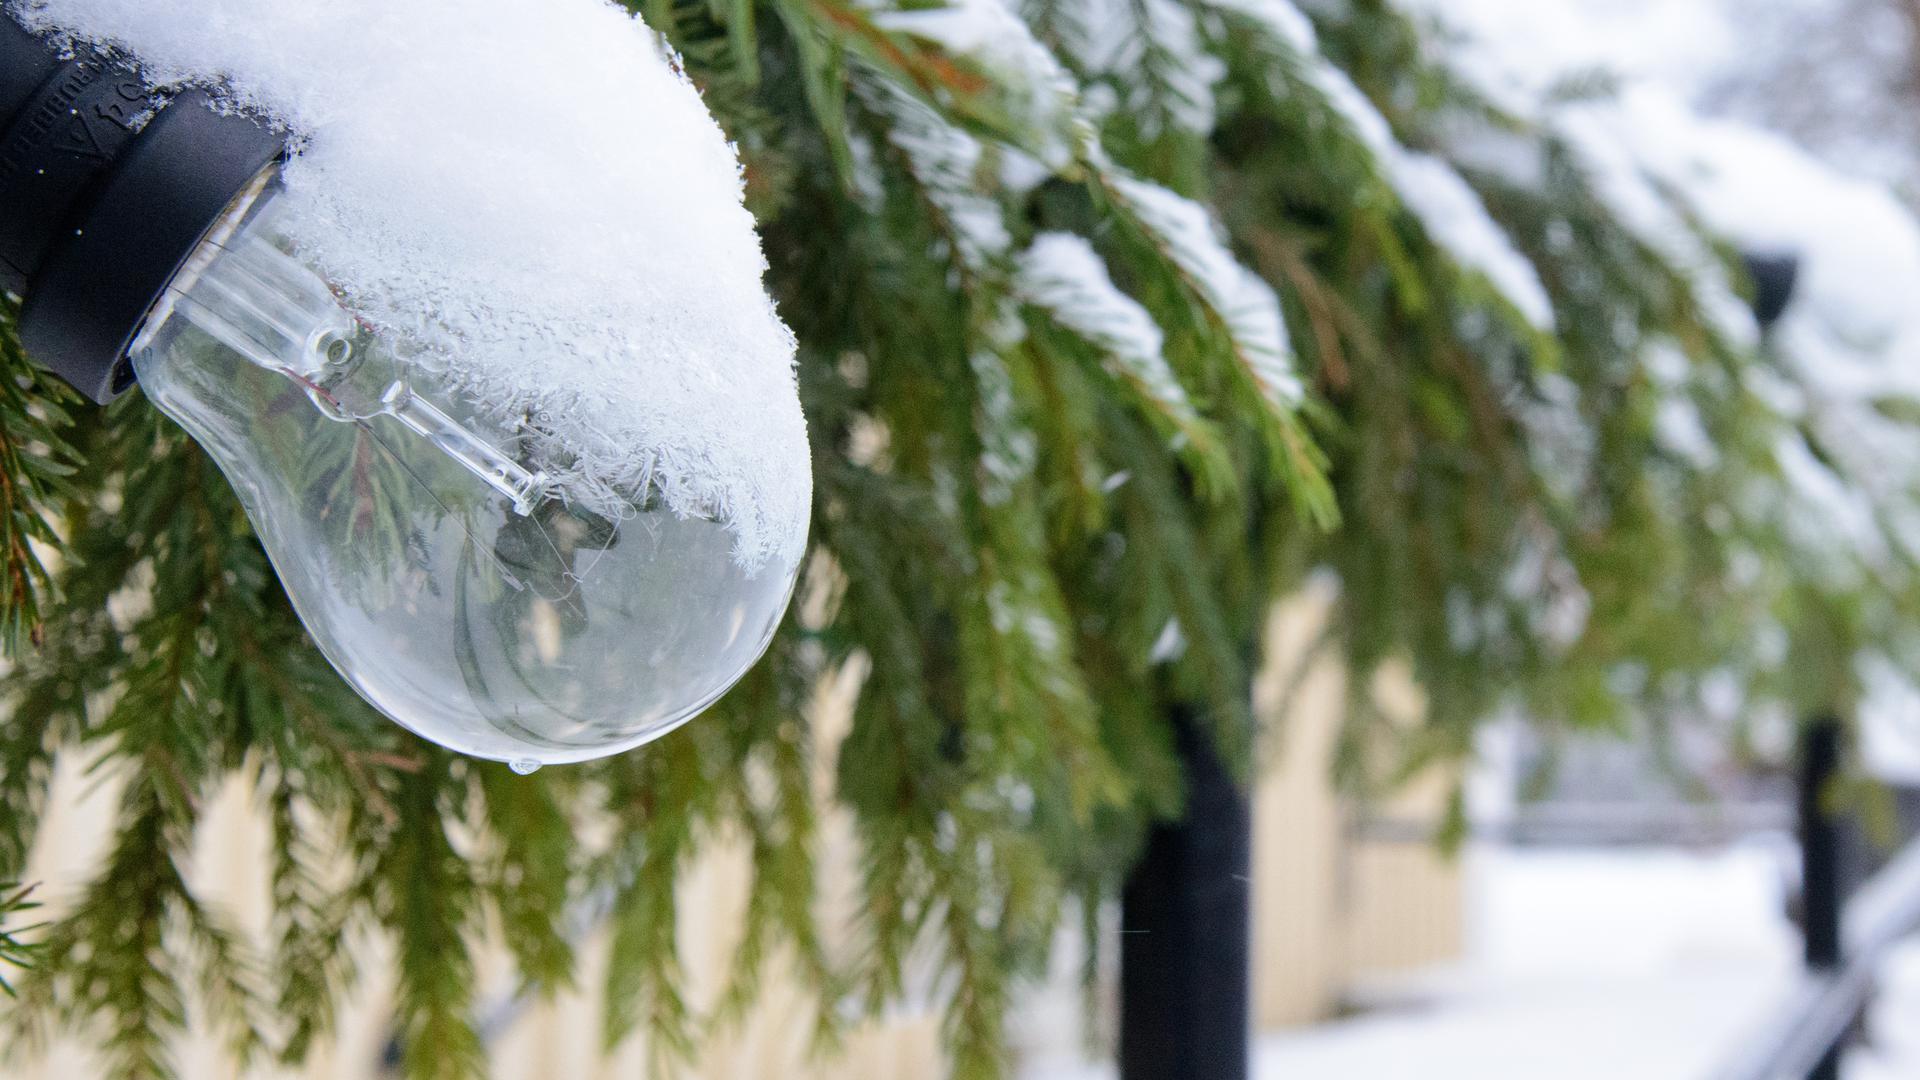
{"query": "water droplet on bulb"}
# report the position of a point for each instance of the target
(525, 766)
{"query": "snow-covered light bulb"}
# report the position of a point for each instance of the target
(503, 397)
(424, 548)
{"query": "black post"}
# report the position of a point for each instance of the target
(1822, 893)
(1185, 938)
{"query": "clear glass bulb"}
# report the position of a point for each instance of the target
(428, 554)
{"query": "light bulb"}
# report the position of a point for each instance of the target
(459, 590)
(504, 398)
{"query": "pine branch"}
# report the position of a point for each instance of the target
(17, 949)
(35, 462)
(423, 890)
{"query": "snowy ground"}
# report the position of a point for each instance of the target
(1590, 965)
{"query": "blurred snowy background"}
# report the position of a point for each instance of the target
(1791, 127)
(1647, 963)
(1615, 929)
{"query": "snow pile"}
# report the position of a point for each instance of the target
(540, 199)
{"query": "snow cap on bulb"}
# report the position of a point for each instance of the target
(564, 238)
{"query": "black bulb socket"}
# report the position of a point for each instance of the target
(106, 186)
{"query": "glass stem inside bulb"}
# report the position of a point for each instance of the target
(475, 454)
(268, 307)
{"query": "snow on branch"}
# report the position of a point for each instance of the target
(1040, 93)
(945, 161)
(1152, 52)
(1447, 207)
(1457, 220)
(1280, 18)
(1062, 273)
(1248, 308)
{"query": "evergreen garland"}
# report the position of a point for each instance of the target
(1037, 530)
